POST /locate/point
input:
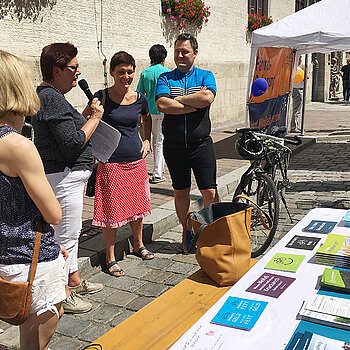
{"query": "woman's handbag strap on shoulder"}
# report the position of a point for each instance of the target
(36, 251)
(260, 211)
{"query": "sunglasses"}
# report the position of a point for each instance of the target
(189, 36)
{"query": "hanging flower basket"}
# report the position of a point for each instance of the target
(256, 21)
(186, 12)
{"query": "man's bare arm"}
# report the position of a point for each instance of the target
(170, 106)
(199, 99)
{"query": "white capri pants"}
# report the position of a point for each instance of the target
(68, 186)
(48, 286)
(157, 145)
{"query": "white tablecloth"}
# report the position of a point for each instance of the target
(278, 321)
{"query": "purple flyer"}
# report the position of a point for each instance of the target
(270, 285)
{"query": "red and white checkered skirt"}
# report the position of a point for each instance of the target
(122, 193)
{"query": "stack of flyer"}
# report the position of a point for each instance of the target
(327, 310)
(335, 251)
(312, 341)
(338, 280)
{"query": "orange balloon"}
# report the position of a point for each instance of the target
(299, 76)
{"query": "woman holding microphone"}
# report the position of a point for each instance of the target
(62, 137)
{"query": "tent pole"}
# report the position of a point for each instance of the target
(304, 97)
(252, 63)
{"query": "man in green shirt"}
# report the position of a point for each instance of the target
(147, 86)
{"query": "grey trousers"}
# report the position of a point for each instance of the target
(297, 95)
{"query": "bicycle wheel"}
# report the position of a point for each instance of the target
(260, 188)
(279, 181)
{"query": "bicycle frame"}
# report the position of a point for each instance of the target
(265, 180)
(275, 157)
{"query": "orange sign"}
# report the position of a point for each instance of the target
(274, 64)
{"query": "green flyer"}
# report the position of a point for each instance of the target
(285, 262)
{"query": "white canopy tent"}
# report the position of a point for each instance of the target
(322, 27)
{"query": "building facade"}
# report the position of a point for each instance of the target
(99, 28)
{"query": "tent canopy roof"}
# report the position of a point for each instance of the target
(322, 27)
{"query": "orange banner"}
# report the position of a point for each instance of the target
(274, 64)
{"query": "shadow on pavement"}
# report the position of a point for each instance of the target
(225, 149)
(320, 156)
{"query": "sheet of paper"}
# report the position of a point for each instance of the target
(104, 140)
(329, 305)
(303, 242)
(271, 285)
(320, 226)
(240, 313)
(285, 262)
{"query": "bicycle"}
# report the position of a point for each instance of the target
(266, 179)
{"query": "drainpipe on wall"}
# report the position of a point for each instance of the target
(315, 76)
(304, 96)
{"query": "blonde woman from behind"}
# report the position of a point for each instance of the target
(25, 198)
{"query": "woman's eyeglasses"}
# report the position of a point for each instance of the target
(72, 68)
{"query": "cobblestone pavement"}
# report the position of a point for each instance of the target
(320, 178)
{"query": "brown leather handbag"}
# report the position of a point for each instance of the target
(222, 236)
(16, 297)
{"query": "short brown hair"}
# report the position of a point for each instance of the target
(17, 92)
(190, 37)
(56, 54)
(122, 57)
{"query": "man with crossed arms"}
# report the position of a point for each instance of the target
(184, 95)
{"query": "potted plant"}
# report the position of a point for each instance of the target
(256, 21)
(186, 12)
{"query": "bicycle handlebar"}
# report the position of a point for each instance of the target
(297, 141)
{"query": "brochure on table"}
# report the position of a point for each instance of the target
(277, 323)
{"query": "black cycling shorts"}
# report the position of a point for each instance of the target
(200, 158)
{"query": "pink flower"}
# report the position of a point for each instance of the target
(172, 17)
(176, 1)
(168, 10)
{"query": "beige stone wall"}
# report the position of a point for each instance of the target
(281, 8)
(134, 26)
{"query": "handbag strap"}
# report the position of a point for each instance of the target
(36, 252)
(260, 211)
(187, 220)
(103, 103)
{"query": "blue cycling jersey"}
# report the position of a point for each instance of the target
(186, 130)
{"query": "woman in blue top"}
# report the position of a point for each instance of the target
(25, 198)
(122, 193)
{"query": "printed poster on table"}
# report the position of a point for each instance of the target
(319, 226)
(303, 242)
(270, 285)
(270, 109)
(285, 262)
(239, 313)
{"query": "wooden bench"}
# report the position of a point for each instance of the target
(161, 323)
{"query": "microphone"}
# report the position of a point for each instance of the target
(85, 87)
